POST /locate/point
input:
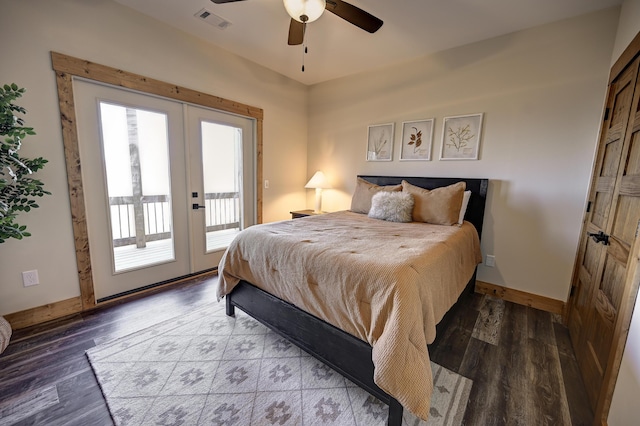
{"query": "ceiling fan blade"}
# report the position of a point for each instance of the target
(355, 15)
(296, 32)
(224, 1)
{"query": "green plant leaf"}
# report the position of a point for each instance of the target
(17, 186)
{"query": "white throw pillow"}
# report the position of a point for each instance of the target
(463, 208)
(392, 206)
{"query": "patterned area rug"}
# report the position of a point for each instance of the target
(208, 368)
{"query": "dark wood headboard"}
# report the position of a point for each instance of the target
(478, 188)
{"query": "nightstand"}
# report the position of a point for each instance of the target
(303, 213)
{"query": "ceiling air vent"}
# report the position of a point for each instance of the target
(212, 19)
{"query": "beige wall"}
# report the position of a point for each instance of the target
(108, 33)
(541, 91)
(628, 27)
(625, 409)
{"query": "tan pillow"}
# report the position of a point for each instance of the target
(440, 206)
(361, 201)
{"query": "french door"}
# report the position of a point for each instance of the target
(167, 185)
(221, 176)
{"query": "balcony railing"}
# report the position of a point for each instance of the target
(222, 210)
(154, 223)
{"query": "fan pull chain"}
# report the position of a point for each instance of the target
(304, 44)
(304, 52)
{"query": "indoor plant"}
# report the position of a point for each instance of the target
(17, 188)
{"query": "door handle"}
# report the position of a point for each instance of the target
(197, 206)
(600, 237)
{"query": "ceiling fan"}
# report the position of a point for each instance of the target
(304, 11)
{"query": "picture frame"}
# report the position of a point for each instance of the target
(461, 136)
(380, 142)
(417, 137)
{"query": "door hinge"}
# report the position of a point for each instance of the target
(573, 290)
(606, 114)
(588, 206)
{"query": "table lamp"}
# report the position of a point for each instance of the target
(319, 182)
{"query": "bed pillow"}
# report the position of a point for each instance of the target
(361, 201)
(463, 209)
(5, 334)
(440, 206)
(392, 206)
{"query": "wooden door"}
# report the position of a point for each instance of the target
(603, 280)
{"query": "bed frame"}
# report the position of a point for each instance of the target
(343, 352)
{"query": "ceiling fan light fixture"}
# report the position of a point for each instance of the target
(305, 11)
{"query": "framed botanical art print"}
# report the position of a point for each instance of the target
(461, 137)
(416, 140)
(380, 142)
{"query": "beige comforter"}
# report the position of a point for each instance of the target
(386, 283)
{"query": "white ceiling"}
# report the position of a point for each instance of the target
(412, 28)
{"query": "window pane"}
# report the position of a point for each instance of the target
(136, 147)
(222, 174)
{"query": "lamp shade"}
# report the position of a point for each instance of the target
(305, 11)
(318, 180)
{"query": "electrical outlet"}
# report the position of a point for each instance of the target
(30, 278)
(490, 261)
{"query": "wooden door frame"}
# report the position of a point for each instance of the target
(67, 67)
(625, 312)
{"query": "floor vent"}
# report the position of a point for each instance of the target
(212, 19)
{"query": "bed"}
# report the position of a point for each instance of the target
(372, 332)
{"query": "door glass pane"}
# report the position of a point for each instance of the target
(135, 146)
(222, 175)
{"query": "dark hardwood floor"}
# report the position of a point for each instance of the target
(520, 360)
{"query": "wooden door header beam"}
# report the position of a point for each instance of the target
(86, 69)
